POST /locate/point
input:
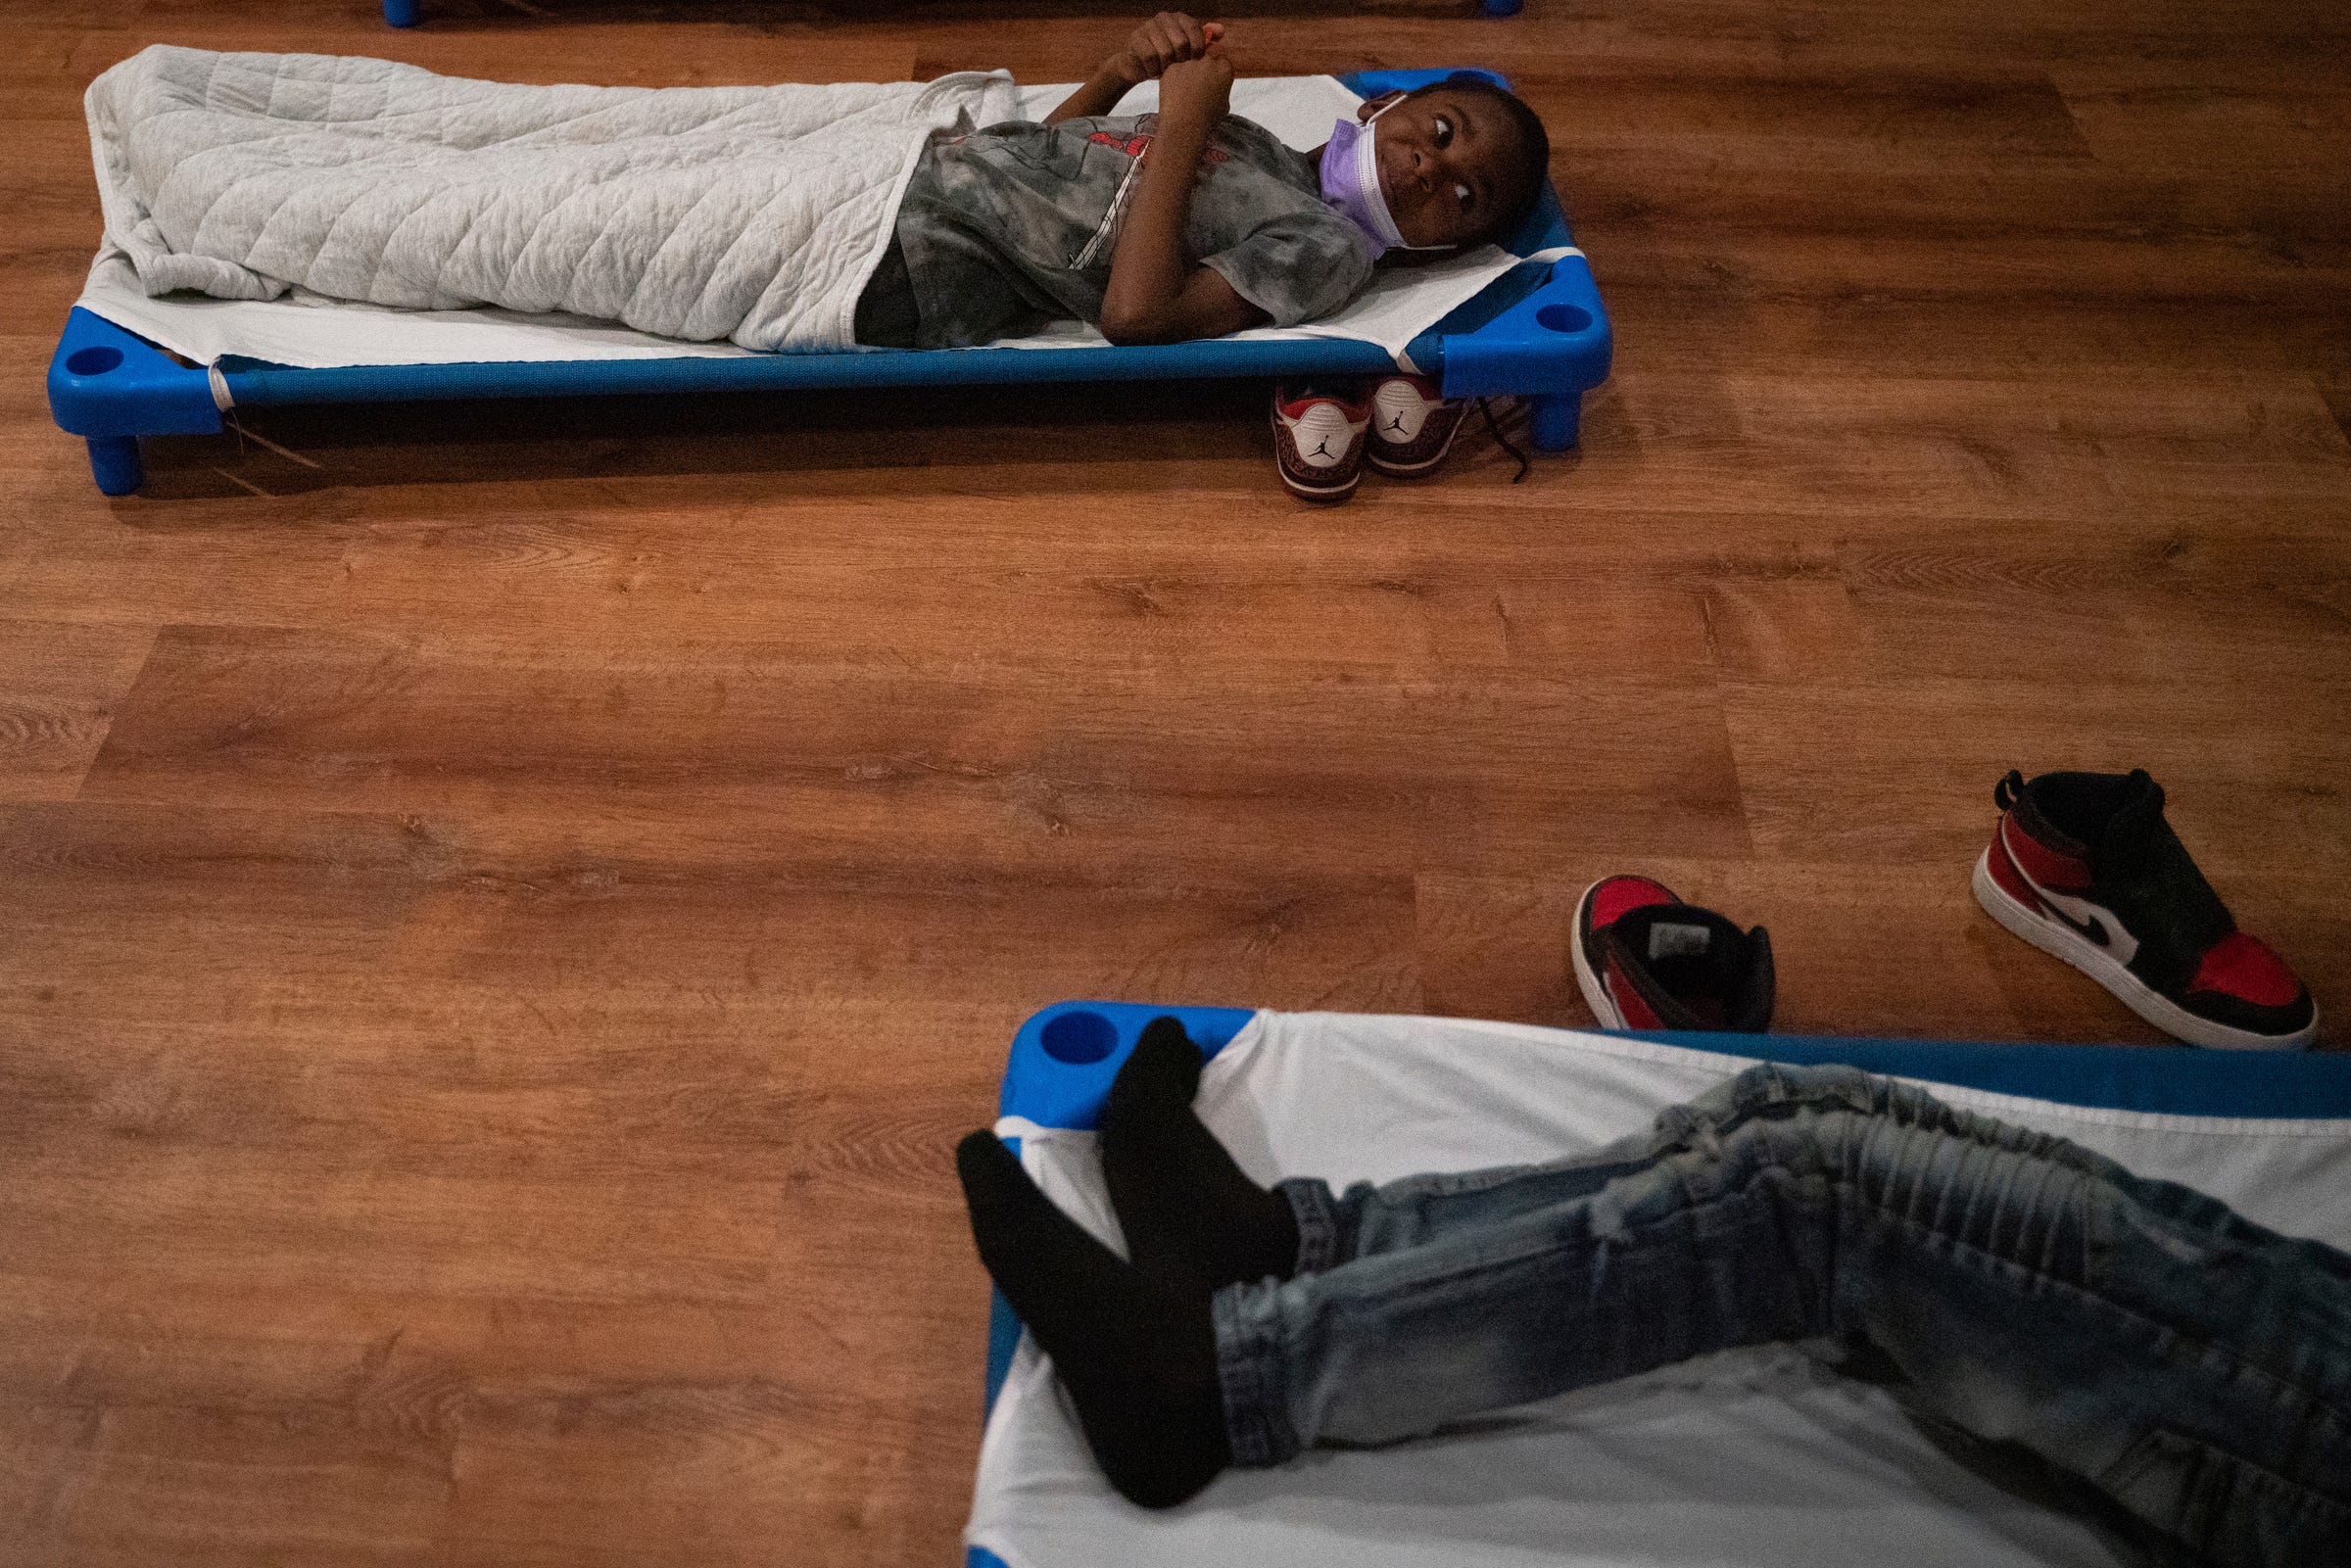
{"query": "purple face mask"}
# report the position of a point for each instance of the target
(1350, 177)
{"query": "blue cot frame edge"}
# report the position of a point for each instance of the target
(110, 387)
(1539, 333)
(1064, 1056)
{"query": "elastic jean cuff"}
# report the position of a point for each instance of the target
(1318, 1224)
(1248, 1373)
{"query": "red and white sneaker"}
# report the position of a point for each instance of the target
(2084, 867)
(1412, 425)
(1318, 442)
(1645, 959)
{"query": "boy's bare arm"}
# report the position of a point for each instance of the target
(1157, 292)
(1165, 40)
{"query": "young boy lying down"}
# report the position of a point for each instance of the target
(1192, 222)
(766, 215)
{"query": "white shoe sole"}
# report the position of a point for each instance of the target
(1305, 491)
(1596, 994)
(2081, 953)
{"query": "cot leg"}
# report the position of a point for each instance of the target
(1557, 418)
(115, 465)
(401, 12)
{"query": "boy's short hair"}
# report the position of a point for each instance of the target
(1534, 143)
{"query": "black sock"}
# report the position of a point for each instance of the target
(1135, 1346)
(1176, 1189)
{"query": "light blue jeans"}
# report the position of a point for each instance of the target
(2187, 1363)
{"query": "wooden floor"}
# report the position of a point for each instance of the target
(505, 910)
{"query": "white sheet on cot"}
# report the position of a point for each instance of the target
(1759, 1458)
(314, 334)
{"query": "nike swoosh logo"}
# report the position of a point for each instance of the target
(2093, 922)
(2092, 929)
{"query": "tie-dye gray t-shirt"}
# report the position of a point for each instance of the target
(1005, 229)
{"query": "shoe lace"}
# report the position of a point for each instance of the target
(1485, 406)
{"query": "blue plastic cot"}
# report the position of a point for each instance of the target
(1064, 1056)
(1538, 333)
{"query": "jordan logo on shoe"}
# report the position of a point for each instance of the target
(1396, 423)
(1322, 449)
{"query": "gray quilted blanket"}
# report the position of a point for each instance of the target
(748, 213)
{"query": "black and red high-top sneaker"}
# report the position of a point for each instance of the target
(1645, 959)
(2084, 867)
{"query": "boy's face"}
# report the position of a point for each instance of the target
(1445, 163)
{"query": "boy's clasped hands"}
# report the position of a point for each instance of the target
(1168, 40)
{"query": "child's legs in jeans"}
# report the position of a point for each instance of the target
(2194, 1366)
(1365, 1220)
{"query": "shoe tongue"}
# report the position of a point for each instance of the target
(2136, 831)
(2141, 811)
(1694, 968)
(2141, 857)
(1655, 932)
